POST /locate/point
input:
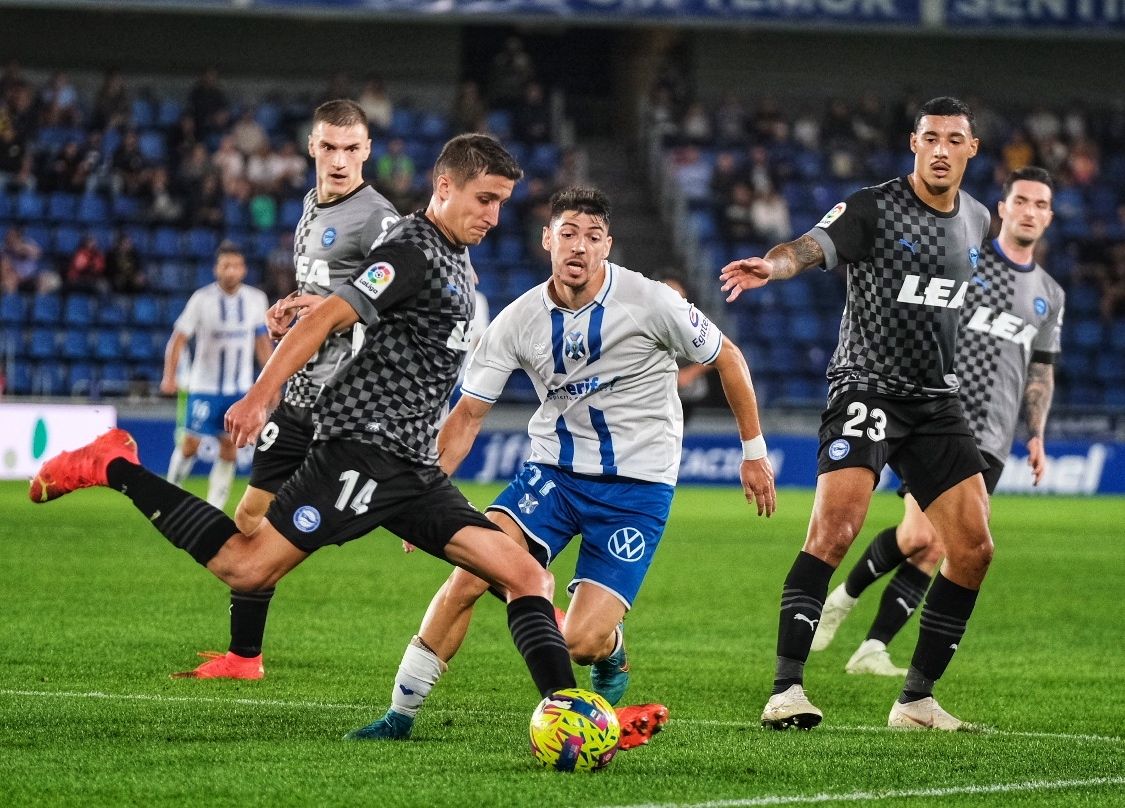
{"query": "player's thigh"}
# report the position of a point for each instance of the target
(839, 510)
(593, 614)
(248, 563)
(537, 503)
(282, 446)
(960, 516)
(622, 524)
(493, 557)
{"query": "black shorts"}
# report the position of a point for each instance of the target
(926, 441)
(282, 446)
(346, 489)
(991, 475)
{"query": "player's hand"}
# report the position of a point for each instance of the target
(743, 274)
(757, 484)
(245, 419)
(285, 313)
(407, 547)
(1037, 459)
(168, 387)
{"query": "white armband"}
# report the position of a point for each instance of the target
(754, 449)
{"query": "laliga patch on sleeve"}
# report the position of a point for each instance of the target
(375, 279)
(832, 215)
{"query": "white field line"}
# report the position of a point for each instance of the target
(318, 705)
(899, 794)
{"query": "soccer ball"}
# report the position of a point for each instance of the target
(574, 730)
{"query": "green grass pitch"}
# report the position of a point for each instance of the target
(98, 609)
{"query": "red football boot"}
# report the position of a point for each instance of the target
(225, 666)
(82, 468)
(639, 722)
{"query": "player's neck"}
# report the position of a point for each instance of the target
(574, 299)
(1016, 253)
(944, 199)
(324, 197)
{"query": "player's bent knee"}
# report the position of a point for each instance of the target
(464, 588)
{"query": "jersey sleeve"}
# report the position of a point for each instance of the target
(1048, 341)
(382, 217)
(188, 321)
(847, 232)
(681, 327)
(392, 273)
(494, 359)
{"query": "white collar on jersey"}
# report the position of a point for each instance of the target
(600, 298)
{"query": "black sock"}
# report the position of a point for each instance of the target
(900, 599)
(802, 599)
(248, 612)
(941, 628)
(880, 557)
(185, 520)
(531, 619)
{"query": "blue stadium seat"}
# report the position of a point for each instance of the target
(143, 114)
(66, 240)
(19, 378)
(402, 122)
(509, 249)
(113, 311)
(433, 126)
(1110, 368)
(234, 213)
(7, 205)
(139, 346)
(201, 242)
(46, 309)
(290, 213)
(80, 378)
(50, 379)
(13, 308)
(78, 311)
(10, 339)
(127, 208)
(62, 207)
(268, 116)
(500, 123)
(173, 307)
(168, 112)
(41, 343)
(107, 344)
(93, 209)
(165, 243)
(544, 160)
(39, 233)
(1082, 300)
(30, 206)
(75, 344)
(1117, 335)
(113, 379)
(1088, 334)
(146, 311)
(152, 146)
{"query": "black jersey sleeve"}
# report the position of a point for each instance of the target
(847, 232)
(393, 272)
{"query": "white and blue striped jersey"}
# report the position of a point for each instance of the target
(224, 327)
(605, 374)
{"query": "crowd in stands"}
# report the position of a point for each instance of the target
(758, 172)
(122, 195)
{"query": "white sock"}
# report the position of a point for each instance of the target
(218, 484)
(179, 467)
(417, 674)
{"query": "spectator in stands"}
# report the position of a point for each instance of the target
(695, 127)
(736, 223)
(163, 207)
(339, 86)
(574, 169)
(111, 102)
(769, 216)
(376, 105)
(85, 272)
(58, 102)
(693, 173)
(207, 102)
(248, 135)
(531, 121)
(394, 175)
(230, 164)
(13, 147)
(469, 112)
(262, 170)
(291, 167)
(279, 279)
(510, 72)
(123, 268)
(1017, 151)
(130, 169)
(724, 176)
(730, 121)
(182, 140)
(20, 258)
(205, 207)
(65, 170)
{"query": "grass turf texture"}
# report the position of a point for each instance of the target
(98, 609)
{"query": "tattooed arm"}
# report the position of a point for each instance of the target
(1037, 395)
(782, 262)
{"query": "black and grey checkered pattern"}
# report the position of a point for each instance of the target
(898, 348)
(353, 222)
(394, 391)
(993, 354)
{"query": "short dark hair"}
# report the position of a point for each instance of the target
(472, 154)
(340, 112)
(946, 106)
(228, 247)
(584, 199)
(1030, 173)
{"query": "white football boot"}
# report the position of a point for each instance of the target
(791, 708)
(872, 657)
(836, 608)
(923, 714)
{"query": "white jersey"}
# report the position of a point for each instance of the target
(605, 374)
(225, 328)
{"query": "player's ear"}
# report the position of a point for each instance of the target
(547, 238)
(608, 243)
(312, 148)
(974, 145)
(366, 149)
(914, 142)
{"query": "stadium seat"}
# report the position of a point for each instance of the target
(402, 122)
(78, 312)
(66, 240)
(19, 378)
(509, 249)
(93, 209)
(107, 344)
(80, 378)
(1088, 334)
(139, 346)
(290, 213)
(46, 309)
(113, 311)
(168, 112)
(146, 311)
(127, 208)
(234, 213)
(201, 242)
(75, 344)
(61, 206)
(30, 206)
(500, 124)
(165, 243)
(142, 113)
(13, 308)
(1082, 300)
(42, 343)
(50, 379)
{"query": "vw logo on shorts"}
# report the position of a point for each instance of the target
(329, 237)
(839, 449)
(628, 544)
(306, 519)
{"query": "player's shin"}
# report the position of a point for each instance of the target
(417, 674)
(186, 521)
(944, 618)
(179, 466)
(531, 619)
(880, 557)
(901, 597)
(248, 611)
(802, 599)
(219, 482)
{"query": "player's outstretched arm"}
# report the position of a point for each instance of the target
(245, 418)
(460, 431)
(172, 352)
(756, 472)
(782, 262)
(1037, 394)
